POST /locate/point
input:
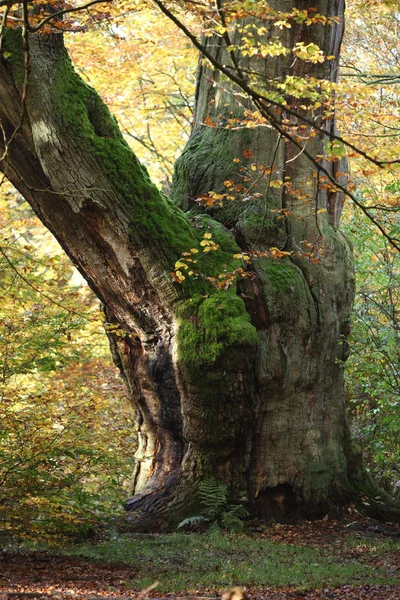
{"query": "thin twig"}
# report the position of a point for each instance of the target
(60, 13)
(25, 280)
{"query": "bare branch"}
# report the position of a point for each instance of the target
(60, 13)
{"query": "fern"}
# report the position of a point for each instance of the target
(192, 521)
(233, 519)
(217, 511)
(213, 496)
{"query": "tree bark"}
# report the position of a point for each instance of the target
(300, 308)
(244, 384)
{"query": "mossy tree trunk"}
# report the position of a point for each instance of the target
(244, 384)
(300, 308)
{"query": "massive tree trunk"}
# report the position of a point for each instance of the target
(300, 305)
(244, 384)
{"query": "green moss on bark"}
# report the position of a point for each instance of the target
(209, 328)
(12, 48)
(151, 216)
(260, 230)
(283, 276)
(287, 294)
(212, 264)
(207, 159)
(325, 477)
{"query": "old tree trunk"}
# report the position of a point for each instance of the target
(244, 384)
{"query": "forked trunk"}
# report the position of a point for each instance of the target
(243, 383)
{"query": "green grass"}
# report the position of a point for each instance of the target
(195, 562)
(373, 545)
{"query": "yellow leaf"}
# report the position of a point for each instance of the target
(180, 265)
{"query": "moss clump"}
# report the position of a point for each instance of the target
(263, 231)
(282, 275)
(210, 327)
(215, 264)
(287, 293)
(214, 149)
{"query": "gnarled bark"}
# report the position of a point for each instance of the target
(301, 309)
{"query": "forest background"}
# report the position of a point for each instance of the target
(67, 433)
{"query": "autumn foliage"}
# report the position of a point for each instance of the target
(67, 432)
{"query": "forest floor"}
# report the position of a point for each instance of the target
(354, 560)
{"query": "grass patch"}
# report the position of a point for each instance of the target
(373, 544)
(196, 562)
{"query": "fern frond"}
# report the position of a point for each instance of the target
(239, 511)
(232, 524)
(233, 519)
(213, 496)
(192, 521)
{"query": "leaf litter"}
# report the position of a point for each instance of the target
(41, 574)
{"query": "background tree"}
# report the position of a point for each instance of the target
(236, 372)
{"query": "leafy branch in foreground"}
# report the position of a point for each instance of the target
(278, 110)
